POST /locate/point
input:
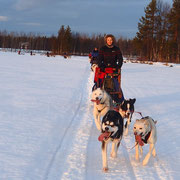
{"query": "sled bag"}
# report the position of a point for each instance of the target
(109, 84)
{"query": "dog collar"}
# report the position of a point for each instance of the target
(115, 136)
(101, 109)
(103, 102)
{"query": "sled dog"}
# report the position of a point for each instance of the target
(126, 110)
(111, 131)
(102, 104)
(145, 132)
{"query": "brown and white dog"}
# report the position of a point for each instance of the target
(145, 133)
(111, 131)
(102, 104)
(126, 110)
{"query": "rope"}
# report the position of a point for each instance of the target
(139, 113)
(129, 148)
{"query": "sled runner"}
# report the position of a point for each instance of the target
(110, 81)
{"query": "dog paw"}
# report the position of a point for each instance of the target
(105, 169)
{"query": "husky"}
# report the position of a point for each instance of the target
(145, 132)
(102, 104)
(112, 131)
(126, 110)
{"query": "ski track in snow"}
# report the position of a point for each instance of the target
(75, 129)
(62, 139)
(77, 158)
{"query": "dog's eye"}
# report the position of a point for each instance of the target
(134, 127)
(140, 128)
(111, 123)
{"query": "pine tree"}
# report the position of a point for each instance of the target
(174, 31)
(145, 38)
(54, 45)
(161, 31)
(60, 39)
(67, 43)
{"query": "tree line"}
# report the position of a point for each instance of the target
(66, 41)
(14, 40)
(157, 39)
(158, 36)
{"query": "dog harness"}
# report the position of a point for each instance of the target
(141, 140)
(145, 139)
(101, 109)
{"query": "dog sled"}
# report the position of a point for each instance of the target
(110, 81)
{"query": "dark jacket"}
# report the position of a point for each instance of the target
(110, 57)
(94, 57)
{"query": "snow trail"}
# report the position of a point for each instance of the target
(47, 129)
(76, 159)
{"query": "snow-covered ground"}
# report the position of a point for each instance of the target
(47, 131)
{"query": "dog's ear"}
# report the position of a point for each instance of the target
(102, 88)
(154, 121)
(94, 87)
(146, 122)
(133, 100)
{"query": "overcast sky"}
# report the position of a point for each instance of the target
(119, 17)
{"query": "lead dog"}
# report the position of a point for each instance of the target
(145, 132)
(112, 130)
(126, 110)
(102, 104)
